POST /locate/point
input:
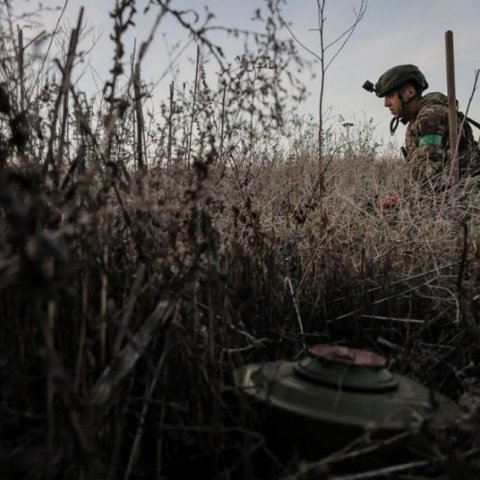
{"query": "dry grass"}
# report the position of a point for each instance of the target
(130, 290)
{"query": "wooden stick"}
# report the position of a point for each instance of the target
(64, 88)
(452, 106)
(170, 128)
(386, 471)
(222, 129)
(192, 119)
(140, 121)
(21, 68)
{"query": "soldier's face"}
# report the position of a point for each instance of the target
(399, 102)
(393, 102)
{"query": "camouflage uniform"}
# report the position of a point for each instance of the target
(427, 141)
(427, 136)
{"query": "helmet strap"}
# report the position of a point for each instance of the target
(396, 120)
(394, 125)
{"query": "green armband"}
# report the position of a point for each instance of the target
(430, 140)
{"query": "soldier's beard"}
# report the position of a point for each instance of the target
(396, 115)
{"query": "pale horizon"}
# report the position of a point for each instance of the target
(390, 33)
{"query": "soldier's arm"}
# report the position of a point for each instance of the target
(428, 157)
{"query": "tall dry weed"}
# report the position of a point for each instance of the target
(133, 282)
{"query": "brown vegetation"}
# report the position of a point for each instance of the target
(134, 280)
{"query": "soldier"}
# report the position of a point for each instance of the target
(427, 148)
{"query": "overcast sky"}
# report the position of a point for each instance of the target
(392, 32)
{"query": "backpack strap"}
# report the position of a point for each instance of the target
(469, 120)
(472, 122)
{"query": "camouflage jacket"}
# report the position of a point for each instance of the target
(427, 141)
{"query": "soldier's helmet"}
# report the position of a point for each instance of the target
(398, 76)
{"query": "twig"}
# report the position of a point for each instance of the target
(140, 120)
(141, 423)
(132, 298)
(349, 32)
(379, 301)
(382, 472)
(59, 19)
(402, 280)
(222, 128)
(285, 24)
(297, 311)
(103, 304)
(462, 124)
(49, 328)
(170, 127)
(192, 118)
(83, 331)
(21, 73)
(64, 87)
(347, 452)
(393, 319)
(128, 357)
(258, 342)
(463, 263)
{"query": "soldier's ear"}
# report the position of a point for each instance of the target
(410, 91)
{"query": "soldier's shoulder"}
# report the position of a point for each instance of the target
(433, 111)
(434, 98)
(434, 102)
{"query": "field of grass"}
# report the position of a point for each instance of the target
(142, 261)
